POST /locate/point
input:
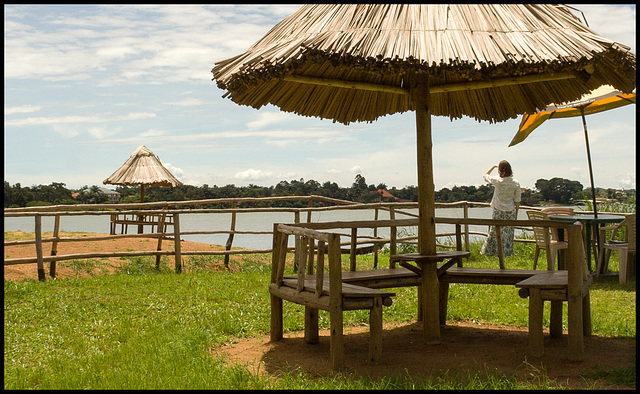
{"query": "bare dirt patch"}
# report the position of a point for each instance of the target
(467, 347)
(106, 265)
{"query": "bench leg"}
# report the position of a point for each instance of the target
(276, 318)
(586, 315)
(311, 334)
(430, 305)
(536, 305)
(555, 320)
(375, 332)
(336, 338)
(444, 298)
(419, 290)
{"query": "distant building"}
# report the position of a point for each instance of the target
(114, 197)
(384, 196)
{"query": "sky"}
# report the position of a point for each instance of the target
(84, 86)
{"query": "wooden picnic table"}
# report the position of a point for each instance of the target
(427, 267)
(591, 237)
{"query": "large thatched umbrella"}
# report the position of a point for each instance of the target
(143, 168)
(357, 62)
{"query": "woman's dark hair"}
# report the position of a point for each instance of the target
(504, 169)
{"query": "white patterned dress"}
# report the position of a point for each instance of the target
(505, 196)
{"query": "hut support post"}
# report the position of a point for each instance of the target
(426, 216)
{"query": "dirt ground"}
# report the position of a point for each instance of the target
(467, 347)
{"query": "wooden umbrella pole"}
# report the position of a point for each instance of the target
(426, 190)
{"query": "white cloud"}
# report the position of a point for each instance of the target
(175, 171)
(22, 109)
(98, 118)
(152, 133)
(269, 118)
(186, 102)
(252, 174)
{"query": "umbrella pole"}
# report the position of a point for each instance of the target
(595, 231)
(593, 187)
(426, 194)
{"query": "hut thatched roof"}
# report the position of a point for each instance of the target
(142, 168)
(486, 61)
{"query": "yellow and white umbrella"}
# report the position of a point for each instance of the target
(601, 99)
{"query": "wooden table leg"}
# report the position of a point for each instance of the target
(430, 304)
(536, 336)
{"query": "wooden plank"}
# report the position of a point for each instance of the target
(347, 290)
(553, 279)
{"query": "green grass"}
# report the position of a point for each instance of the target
(148, 329)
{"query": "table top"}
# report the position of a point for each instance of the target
(589, 218)
(434, 258)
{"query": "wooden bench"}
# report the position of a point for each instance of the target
(554, 287)
(571, 286)
(316, 290)
(483, 276)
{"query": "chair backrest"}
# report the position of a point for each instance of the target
(558, 211)
(630, 223)
(542, 235)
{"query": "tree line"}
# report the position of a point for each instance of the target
(555, 190)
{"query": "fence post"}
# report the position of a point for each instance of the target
(54, 246)
(296, 219)
(161, 230)
(499, 242)
(466, 226)
(354, 248)
(38, 229)
(231, 234)
(176, 235)
(376, 246)
(393, 231)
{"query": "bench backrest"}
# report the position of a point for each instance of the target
(312, 249)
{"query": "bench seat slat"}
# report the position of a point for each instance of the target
(348, 290)
(494, 276)
(554, 279)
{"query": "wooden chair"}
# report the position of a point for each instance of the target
(557, 211)
(544, 242)
(322, 291)
(626, 249)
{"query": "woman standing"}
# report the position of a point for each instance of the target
(505, 204)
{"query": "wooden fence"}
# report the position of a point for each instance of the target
(175, 210)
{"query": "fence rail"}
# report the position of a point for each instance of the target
(162, 209)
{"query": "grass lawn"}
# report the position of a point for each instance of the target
(143, 329)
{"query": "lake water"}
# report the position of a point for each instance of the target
(261, 221)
